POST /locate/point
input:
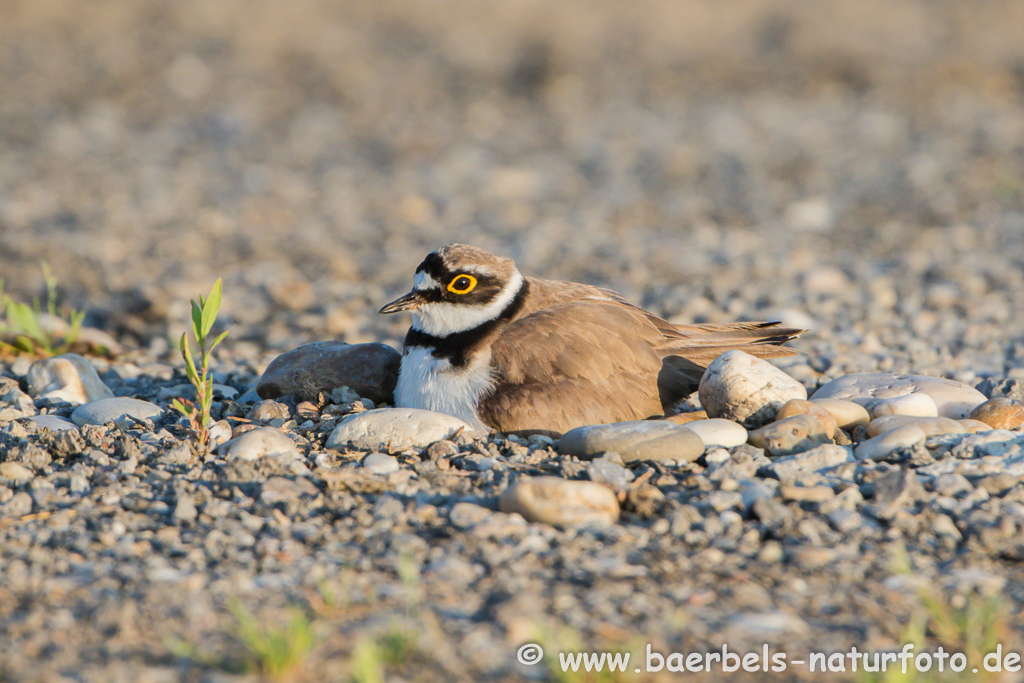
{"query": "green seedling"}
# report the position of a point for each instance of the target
(273, 651)
(204, 314)
(24, 326)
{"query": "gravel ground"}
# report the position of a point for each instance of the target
(856, 169)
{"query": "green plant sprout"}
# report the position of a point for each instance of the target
(274, 651)
(204, 314)
(26, 327)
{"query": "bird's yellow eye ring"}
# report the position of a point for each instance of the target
(462, 284)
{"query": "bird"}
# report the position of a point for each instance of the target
(519, 354)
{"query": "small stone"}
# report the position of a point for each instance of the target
(802, 407)
(561, 502)
(69, 378)
(1000, 413)
(259, 443)
(18, 506)
(465, 516)
(381, 463)
(370, 370)
(791, 435)
(718, 432)
(820, 458)
(724, 500)
(974, 426)
(748, 390)
(931, 426)
(952, 399)
(951, 485)
(604, 471)
(897, 488)
(114, 409)
(917, 405)
(51, 422)
(266, 411)
(14, 403)
(845, 520)
(885, 444)
(441, 449)
(396, 429)
(219, 432)
(847, 414)
(806, 494)
(185, 508)
(636, 440)
(280, 489)
(15, 473)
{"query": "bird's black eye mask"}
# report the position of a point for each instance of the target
(483, 291)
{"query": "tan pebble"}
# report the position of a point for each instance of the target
(745, 389)
(975, 426)
(801, 407)
(810, 494)
(792, 435)
(932, 426)
(877, 448)
(561, 502)
(916, 404)
(683, 418)
(1000, 413)
(847, 414)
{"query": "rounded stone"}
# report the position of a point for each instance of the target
(718, 432)
(113, 410)
(381, 463)
(847, 414)
(51, 422)
(560, 502)
(931, 426)
(395, 429)
(68, 377)
(804, 407)
(260, 443)
(975, 426)
(370, 370)
(883, 445)
(916, 404)
(952, 399)
(1000, 413)
(791, 435)
(684, 418)
(634, 440)
(748, 390)
(15, 473)
(265, 411)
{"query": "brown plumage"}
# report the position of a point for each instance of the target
(564, 354)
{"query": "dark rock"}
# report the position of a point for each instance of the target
(370, 370)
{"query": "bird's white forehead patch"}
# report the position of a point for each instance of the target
(424, 281)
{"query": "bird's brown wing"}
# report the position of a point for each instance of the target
(576, 363)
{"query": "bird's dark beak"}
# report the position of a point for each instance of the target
(409, 302)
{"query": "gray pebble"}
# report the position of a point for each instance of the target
(381, 463)
(115, 410)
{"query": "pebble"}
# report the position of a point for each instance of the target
(952, 399)
(259, 443)
(791, 435)
(465, 516)
(820, 458)
(718, 432)
(613, 474)
(748, 390)
(115, 409)
(370, 370)
(802, 407)
(932, 426)
(685, 418)
(14, 403)
(635, 440)
(268, 411)
(974, 426)
(1000, 413)
(394, 429)
(381, 463)
(184, 508)
(897, 488)
(219, 432)
(917, 405)
(19, 505)
(51, 422)
(560, 502)
(15, 473)
(69, 378)
(847, 414)
(885, 444)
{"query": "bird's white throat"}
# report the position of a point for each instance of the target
(431, 383)
(441, 319)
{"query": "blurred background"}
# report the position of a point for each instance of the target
(857, 163)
